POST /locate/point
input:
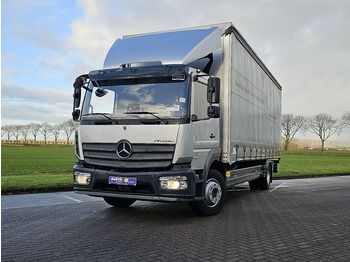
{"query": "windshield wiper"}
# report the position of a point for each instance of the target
(147, 113)
(115, 122)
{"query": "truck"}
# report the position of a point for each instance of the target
(178, 115)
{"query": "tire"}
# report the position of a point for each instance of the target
(264, 182)
(254, 185)
(214, 196)
(119, 202)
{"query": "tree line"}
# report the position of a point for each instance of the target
(323, 125)
(46, 129)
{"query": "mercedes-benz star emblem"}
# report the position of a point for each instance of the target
(124, 149)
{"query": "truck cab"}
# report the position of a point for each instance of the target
(144, 131)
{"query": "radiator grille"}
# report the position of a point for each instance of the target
(144, 156)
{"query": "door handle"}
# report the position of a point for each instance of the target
(212, 136)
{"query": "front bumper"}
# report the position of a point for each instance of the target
(147, 187)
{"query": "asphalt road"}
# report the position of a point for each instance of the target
(296, 220)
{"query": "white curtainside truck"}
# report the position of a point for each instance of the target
(179, 115)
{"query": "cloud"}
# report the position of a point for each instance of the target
(8, 57)
(12, 92)
(10, 71)
(34, 104)
(42, 38)
(25, 113)
(56, 63)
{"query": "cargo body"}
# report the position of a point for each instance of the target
(180, 115)
(251, 105)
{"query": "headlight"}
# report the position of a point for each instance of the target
(173, 182)
(82, 178)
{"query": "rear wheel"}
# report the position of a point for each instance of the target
(263, 182)
(266, 181)
(214, 196)
(119, 202)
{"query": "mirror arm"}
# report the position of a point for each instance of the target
(87, 87)
(201, 82)
(196, 77)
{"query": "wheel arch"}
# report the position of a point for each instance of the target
(217, 165)
(213, 161)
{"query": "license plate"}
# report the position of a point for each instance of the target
(125, 181)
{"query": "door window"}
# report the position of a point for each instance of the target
(200, 101)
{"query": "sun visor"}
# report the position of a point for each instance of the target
(175, 47)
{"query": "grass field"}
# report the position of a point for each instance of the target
(314, 162)
(50, 166)
(31, 167)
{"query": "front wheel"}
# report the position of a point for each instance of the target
(119, 202)
(214, 196)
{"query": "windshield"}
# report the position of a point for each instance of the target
(151, 99)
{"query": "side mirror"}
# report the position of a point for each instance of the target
(100, 92)
(213, 111)
(213, 90)
(76, 114)
(77, 97)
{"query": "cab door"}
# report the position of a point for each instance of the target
(206, 131)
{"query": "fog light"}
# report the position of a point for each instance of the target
(173, 182)
(82, 178)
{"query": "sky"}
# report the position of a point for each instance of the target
(45, 44)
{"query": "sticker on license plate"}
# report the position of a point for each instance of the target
(126, 181)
